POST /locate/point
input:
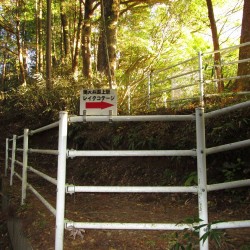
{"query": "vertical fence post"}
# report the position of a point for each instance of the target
(201, 79)
(61, 178)
(13, 159)
(202, 173)
(6, 156)
(25, 164)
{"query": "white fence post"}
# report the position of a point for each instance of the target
(25, 164)
(13, 159)
(61, 177)
(202, 174)
(201, 79)
(6, 156)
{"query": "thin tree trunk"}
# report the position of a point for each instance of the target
(37, 37)
(39, 45)
(22, 77)
(48, 47)
(65, 32)
(86, 40)
(75, 60)
(244, 52)
(217, 56)
(4, 69)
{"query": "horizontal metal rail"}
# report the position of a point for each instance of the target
(235, 62)
(227, 147)
(43, 151)
(45, 202)
(231, 224)
(183, 74)
(229, 93)
(128, 226)
(175, 65)
(39, 130)
(174, 77)
(227, 49)
(227, 109)
(230, 78)
(170, 89)
(19, 163)
(19, 149)
(18, 176)
(104, 153)
(130, 189)
(35, 171)
(139, 118)
(184, 99)
(44, 176)
(228, 185)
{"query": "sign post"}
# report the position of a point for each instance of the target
(98, 102)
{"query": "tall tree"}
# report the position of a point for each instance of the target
(22, 75)
(217, 56)
(39, 33)
(48, 47)
(244, 52)
(108, 38)
(65, 31)
(86, 39)
(76, 46)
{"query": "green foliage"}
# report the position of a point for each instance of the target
(36, 104)
(191, 179)
(188, 239)
(233, 170)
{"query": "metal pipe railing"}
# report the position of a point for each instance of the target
(140, 118)
(226, 110)
(137, 153)
(43, 151)
(42, 175)
(128, 226)
(42, 129)
(45, 202)
(131, 189)
(228, 185)
(227, 147)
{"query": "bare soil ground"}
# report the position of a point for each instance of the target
(39, 223)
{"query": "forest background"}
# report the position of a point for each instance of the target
(50, 50)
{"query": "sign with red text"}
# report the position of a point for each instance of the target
(98, 102)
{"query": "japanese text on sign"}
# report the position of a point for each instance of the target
(98, 102)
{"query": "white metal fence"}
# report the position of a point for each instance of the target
(63, 153)
(190, 80)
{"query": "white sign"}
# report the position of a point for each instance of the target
(98, 102)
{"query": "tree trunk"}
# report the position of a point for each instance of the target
(244, 52)
(48, 47)
(107, 42)
(4, 69)
(217, 56)
(76, 48)
(22, 76)
(39, 48)
(65, 32)
(86, 40)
